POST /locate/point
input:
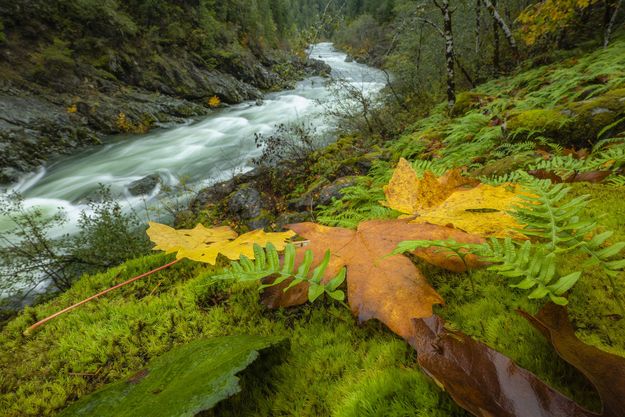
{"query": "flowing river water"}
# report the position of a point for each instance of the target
(201, 151)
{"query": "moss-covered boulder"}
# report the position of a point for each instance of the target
(544, 122)
(593, 116)
(467, 100)
(574, 124)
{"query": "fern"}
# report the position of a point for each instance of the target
(563, 166)
(558, 230)
(515, 176)
(267, 264)
(617, 181)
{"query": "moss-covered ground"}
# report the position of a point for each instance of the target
(337, 367)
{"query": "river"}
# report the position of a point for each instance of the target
(201, 152)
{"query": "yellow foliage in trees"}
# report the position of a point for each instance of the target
(72, 109)
(548, 17)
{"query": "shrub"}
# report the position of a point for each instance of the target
(30, 254)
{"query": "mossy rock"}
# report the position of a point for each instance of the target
(592, 116)
(505, 165)
(465, 101)
(545, 122)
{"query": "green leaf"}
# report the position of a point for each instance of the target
(181, 383)
(338, 295)
(337, 281)
(565, 283)
(315, 291)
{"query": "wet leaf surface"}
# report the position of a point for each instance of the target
(482, 380)
(181, 383)
(388, 288)
(604, 370)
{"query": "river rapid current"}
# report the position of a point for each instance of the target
(201, 152)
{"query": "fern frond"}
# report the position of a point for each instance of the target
(267, 263)
(548, 218)
(617, 181)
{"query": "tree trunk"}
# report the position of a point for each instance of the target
(503, 26)
(478, 29)
(496, 45)
(449, 52)
(610, 26)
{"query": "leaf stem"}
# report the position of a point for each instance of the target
(93, 297)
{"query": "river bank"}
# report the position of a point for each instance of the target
(41, 120)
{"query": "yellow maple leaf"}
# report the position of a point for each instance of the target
(408, 194)
(483, 210)
(243, 245)
(171, 240)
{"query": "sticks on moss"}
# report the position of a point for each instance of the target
(93, 297)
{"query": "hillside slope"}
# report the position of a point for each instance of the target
(72, 72)
(524, 123)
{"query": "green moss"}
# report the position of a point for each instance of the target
(465, 101)
(117, 335)
(593, 115)
(530, 123)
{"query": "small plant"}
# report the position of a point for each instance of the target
(126, 125)
(288, 143)
(267, 264)
(214, 102)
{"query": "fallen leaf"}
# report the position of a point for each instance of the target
(408, 194)
(543, 174)
(482, 380)
(204, 245)
(483, 210)
(604, 370)
(182, 382)
(241, 246)
(388, 288)
(594, 177)
(171, 240)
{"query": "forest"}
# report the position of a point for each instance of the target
(312, 208)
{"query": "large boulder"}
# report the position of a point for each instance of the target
(145, 185)
(322, 194)
(246, 203)
(575, 124)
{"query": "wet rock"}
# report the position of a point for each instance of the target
(318, 67)
(333, 191)
(349, 58)
(145, 185)
(263, 221)
(213, 194)
(259, 102)
(322, 195)
(246, 203)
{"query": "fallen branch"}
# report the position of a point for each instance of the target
(93, 297)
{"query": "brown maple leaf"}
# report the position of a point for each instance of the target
(388, 288)
(604, 370)
(482, 380)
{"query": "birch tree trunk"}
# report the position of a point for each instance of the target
(478, 28)
(610, 26)
(502, 25)
(496, 44)
(449, 52)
